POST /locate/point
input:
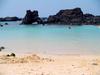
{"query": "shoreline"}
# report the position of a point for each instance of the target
(43, 64)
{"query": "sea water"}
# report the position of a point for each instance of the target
(52, 39)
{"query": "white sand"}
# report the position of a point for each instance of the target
(50, 65)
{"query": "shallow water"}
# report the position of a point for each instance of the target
(53, 39)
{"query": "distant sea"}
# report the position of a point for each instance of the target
(50, 39)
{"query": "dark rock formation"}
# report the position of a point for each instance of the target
(73, 17)
(1, 25)
(6, 23)
(88, 19)
(10, 19)
(97, 20)
(11, 55)
(31, 17)
(1, 48)
(68, 16)
(91, 19)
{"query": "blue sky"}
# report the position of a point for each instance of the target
(46, 7)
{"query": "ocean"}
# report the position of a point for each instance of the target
(50, 39)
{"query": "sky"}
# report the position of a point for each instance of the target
(46, 7)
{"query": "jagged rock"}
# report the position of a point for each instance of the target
(31, 17)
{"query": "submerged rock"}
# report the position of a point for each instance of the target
(6, 23)
(1, 25)
(69, 27)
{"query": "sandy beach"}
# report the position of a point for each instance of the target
(42, 64)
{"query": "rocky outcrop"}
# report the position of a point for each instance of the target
(68, 16)
(91, 19)
(31, 17)
(97, 20)
(73, 17)
(10, 19)
(88, 19)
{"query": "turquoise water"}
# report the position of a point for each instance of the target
(50, 38)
